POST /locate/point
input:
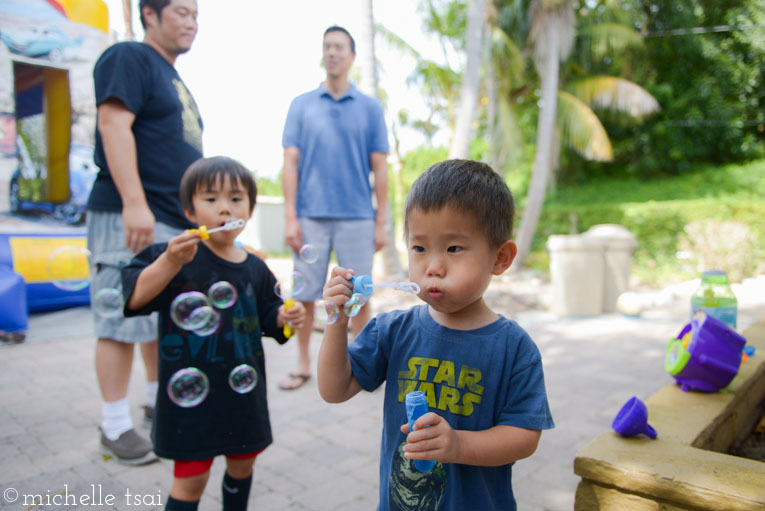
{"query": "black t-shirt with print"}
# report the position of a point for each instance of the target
(167, 128)
(225, 422)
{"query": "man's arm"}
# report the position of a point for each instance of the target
(292, 231)
(115, 123)
(379, 164)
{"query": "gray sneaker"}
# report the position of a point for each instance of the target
(148, 415)
(129, 449)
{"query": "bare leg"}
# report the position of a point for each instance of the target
(189, 489)
(304, 353)
(150, 354)
(114, 360)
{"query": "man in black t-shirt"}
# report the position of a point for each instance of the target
(148, 132)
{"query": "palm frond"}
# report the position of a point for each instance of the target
(608, 39)
(614, 93)
(395, 41)
(507, 58)
(581, 130)
(506, 134)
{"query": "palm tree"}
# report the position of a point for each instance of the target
(552, 34)
(460, 147)
(127, 13)
(369, 85)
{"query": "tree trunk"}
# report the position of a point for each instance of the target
(469, 93)
(391, 263)
(127, 13)
(543, 156)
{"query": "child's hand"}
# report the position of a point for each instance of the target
(339, 287)
(182, 248)
(294, 316)
(438, 442)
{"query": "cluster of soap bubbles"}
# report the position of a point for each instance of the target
(189, 386)
(196, 312)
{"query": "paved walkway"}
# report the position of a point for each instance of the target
(325, 457)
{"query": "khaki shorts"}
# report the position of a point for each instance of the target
(106, 242)
(353, 242)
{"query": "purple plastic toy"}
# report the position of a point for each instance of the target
(711, 359)
(632, 419)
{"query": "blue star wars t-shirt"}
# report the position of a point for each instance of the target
(475, 379)
(167, 128)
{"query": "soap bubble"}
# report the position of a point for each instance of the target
(222, 294)
(332, 310)
(188, 387)
(68, 267)
(209, 319)
(354, 305)
(293, 286)
(309, 254)
(183, 307)
(108, 302)
(243, 378)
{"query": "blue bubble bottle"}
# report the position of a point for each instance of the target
(416, 406)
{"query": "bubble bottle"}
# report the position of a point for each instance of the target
(715, 297)
(416, 406)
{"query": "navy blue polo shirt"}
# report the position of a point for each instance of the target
(335, 138)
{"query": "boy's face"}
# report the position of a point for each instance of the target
(452, 261)
(216, 205)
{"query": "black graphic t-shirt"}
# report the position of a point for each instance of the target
(225, 422)
(167, 128)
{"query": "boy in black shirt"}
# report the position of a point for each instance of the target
(213, 191)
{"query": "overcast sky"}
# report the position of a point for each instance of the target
(251, 58)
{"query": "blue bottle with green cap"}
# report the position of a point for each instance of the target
(715, 297)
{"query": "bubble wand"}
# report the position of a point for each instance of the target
(362, 290)
(204, 233)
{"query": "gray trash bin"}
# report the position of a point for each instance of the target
(576, 272)
(618, 244)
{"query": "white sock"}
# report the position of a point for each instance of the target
(115, 418)
(151, 393)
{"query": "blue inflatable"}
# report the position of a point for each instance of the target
(27, 255)
(13, 301)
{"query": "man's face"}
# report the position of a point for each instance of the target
(337, 55)
(176, 29)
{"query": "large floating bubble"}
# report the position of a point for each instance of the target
(68, 267)
(108, 302)
(182, 310)
(210, 319)
(332, 310)
(354, 305)
(243, 378)
(222, 294)
(308, 253)
(188, 387)
(293, 286)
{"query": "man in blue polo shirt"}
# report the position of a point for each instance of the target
(333, 138)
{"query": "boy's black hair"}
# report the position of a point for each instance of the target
(335, 28)
(206, 172)
(156, 5)
(469, 186)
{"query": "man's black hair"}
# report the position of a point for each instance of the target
(335, 28)
(469, 186)
(205, 173)
(156, 5)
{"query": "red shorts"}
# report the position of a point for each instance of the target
(193, 468)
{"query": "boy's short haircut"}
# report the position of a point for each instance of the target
(205, 173)
(469, 186)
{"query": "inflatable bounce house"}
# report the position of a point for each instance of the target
(47, 123)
